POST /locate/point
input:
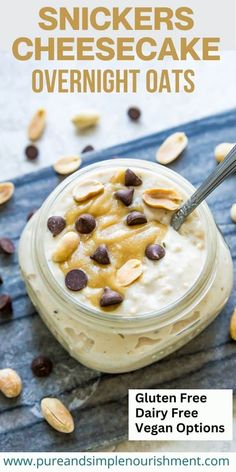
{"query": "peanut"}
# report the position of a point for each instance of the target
(6, 192)
(37, 125)
(86, 120)
(129, 272)
(164, 198)
(233, 326)
(172, 147)
(65, 247)
(233, 212)
(10, 383)
(67, 165)
(87, 190)
(222, 150)
(57, 415)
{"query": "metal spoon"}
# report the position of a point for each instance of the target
(223, 170)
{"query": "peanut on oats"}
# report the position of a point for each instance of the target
(37, 125)
(162, 198)
(67, 165)
(129, 272)
(57, 415)
(222, 150)
(233, 326)
(233, 212)
(6, 192)
(10, 383)
(87, 190)
(172, 147)
(66, 246)
(86, 120)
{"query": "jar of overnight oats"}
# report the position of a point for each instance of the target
(116, 285)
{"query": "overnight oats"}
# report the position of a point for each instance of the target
(114, 282)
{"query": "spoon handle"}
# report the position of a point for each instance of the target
(223, 170)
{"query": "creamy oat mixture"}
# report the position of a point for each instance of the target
(108, 241)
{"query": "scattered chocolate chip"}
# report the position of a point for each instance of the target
(101, 255)
(29, 216)
(76, 280)
(136, 218)
(85, 224)
(31, 152)
(7, 246)
(42, 366)
(56, 224)
(134, 113)
(131, 179)
(155, 252)
(110, 297)
(87, 149)
(125, 196)
(5, 305)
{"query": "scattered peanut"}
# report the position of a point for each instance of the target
(86, 120)
(37, 125)
(164, 198)
(129, 272)
(66, 246)
(10, 383)
(87, 190)
(233, 326)
(6, 192)
(57, 415)
(172, 147)
(222, 150)
(67, 165)
(233, 212)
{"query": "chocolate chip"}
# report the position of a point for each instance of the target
(87, 149)
(131, 179)
(134, 113)
(42, 366)
(155, 252)
(125, 196)
(76, 280)
(5, 305)
(29, 216)
(110, 297)
(7, 246)
(136, 218)
(56, 224)
(31, 152)
(85, 224)
(101, 255)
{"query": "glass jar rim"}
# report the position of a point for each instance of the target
(161, 314)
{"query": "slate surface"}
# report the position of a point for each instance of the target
(99, 402)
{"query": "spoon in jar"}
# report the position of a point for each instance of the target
(223, 170)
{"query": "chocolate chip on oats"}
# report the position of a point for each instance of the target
(42, 366)
(110, 297)
(76, 280)
(88, 148)
(56, 224)
(134, 113)
(136, 218)
(85, 224)
(155, 252)
(7, 246)
(125, 196)
(5, 305)
(131, 179)
(31, 152)
(101, 255)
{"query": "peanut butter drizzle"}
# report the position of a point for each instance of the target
(123, 242)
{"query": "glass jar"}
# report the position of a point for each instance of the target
(122, 343)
